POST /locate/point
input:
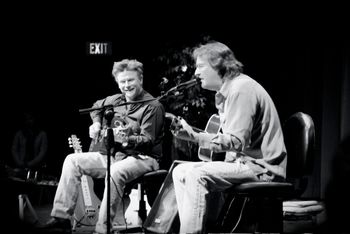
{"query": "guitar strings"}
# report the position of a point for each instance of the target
(79, 222)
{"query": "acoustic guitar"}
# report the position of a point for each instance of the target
(88, 205)
(213, 126)
(122, 129)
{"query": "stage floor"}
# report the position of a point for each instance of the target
(43, 214)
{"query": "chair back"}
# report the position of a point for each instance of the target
(167, 158)
(299, 136)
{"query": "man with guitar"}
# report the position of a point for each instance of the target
(251, 138)
(138, 131)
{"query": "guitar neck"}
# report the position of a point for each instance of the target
(85, 187)
(197, 129)
(86, 191)
(84, 179)
(175, 124)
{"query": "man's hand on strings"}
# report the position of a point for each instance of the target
(124, 133)
(94, 130)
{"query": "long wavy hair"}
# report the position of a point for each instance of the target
(220, 57)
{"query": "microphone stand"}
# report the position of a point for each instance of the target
(109, 142)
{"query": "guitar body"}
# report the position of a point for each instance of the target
(87, 214)
(213, 126)
(88, 204)
(122, 128)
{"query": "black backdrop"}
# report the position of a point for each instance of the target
(302, 62)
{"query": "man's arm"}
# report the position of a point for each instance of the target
(215, 142)
(96, 115)
(151, 128)
(43, 146)
(238, 124)
(17, 150)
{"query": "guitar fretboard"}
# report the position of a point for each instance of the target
(75, 143)
(86, 191)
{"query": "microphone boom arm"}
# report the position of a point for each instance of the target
(181, 86)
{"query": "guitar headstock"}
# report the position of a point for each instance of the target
(175, 121)
(74, 142)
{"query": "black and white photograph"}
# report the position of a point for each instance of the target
(190, 121)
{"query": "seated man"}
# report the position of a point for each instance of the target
(29, 146)
(136, 151)
(251, 137)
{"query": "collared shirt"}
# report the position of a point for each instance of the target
(148, 115)
(251, 128)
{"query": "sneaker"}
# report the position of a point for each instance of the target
(58, 225)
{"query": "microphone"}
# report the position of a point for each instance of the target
(186, 85)
(162, 84)
(164, 80)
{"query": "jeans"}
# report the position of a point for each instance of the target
(94, 164)
(196, 182)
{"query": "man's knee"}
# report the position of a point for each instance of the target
(69, 160)
(72, 162)
(178, 173)
(118, 174)
(197, 175)
(182, 174)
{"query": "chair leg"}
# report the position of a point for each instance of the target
(270, 218)
(142, 204)
(236, 215)
(23, 202)
(251, 214)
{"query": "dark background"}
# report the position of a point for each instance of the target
(301, 57)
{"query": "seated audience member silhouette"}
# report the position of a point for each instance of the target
(30, 144)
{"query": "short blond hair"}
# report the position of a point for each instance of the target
(127, 65)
